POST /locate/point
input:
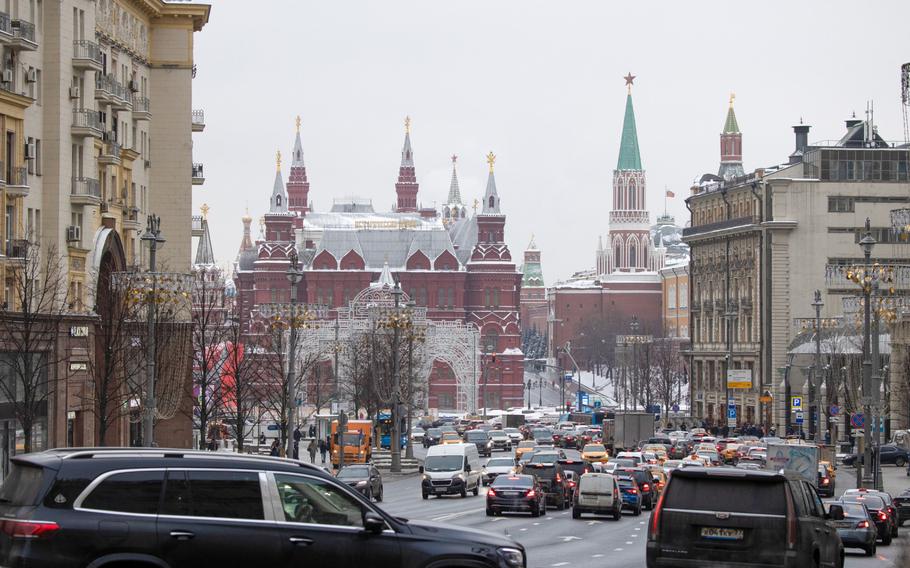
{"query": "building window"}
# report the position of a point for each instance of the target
(683, 295)
(840, 204)
(441, 297)
(671, 297)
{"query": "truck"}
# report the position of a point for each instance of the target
(357, 439)
(801, 459)
(630, 428)
(513, 420)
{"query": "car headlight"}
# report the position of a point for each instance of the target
(489, 444)
(460, 476)
(425, 477)
(361, 483)
(512, 557)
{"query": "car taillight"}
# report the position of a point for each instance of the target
(825, 481)
(655, 518)
(531, 494)
(491, 492)
(645, 487)
(28, 529)
(862, 525)
(571, 484)
(883, 516)
(633, 491)
(558, 478)
(791, 522)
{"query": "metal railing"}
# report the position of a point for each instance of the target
(16, 248)
(18, 177)
(113, 149)
(837, 277)
(719, 225)
(85, 118)
(199, 117)
(197, 223)
(85, 49)
(23, 29)
(5, 24)
(197, 171)
(141, 104)
(104, 83)
(86, 186)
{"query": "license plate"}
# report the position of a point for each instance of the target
(717, 533)
(843, 524)
(440, 490)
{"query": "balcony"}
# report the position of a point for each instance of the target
(87, 123)
(17, 182)
(104, 88)
(122, 96)
(16, 248)
(23, 36)
(86, 55)
(198, 120)
(718, 226)
(131, 219)
(198, 176)
(6, 30)
(196, 229)
(85, 191)
(110, 153)
(142, 108)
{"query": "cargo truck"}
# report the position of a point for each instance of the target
(356, 439)
(630, 428)
(801, 459)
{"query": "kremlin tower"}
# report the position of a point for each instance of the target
(731, 147)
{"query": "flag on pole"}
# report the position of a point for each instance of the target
(670, 194)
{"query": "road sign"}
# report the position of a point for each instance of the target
(597, 403)
(857, 420)
(567, 377)
(731, 415)
(675, 408)
(764, 399)
(834, 410)
(739, 378)
(796, 402)
(799, 417)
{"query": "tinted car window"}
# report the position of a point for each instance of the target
(129, 492)
(314, 501)
(854, 511)
(176, 495)
(871, 501)
(727, 495)
(477, 436)
(520, 481)
(226, 494)
(21, 486)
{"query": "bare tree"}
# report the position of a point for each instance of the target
(667, 379)
(29, 331)
(242, 381)
(209, 331)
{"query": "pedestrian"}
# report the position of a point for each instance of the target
(323, 449)
(312, 450)
(274, 450)
(312, 430)
(261, 439)
(297, 436)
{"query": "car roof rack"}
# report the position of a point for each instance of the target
(112, 451)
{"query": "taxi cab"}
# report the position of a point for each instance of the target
(450, 438)
(595, 453)
(658, 449)
(524, 446)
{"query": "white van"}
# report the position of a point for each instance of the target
(597, 493)
(452, 469)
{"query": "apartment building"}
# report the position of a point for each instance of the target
(97, 121)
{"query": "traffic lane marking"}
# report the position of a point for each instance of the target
(457, 514)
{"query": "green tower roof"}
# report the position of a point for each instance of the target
(730, 125)
(629, 157)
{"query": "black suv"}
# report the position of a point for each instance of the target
(645, 484)
(160, 508)
(549, 472)
(708, 516)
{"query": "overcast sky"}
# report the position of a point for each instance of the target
(538, 83)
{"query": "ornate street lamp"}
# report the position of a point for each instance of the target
(154, 289)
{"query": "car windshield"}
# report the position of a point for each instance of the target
(541, 433)
(733, 495)
(526, 444)
(624, 463)
(435, 432)
(595, 448)
(477, 436)
(871, 501)
(624, 482)
(500, 462)
(511, 431)
(443, 463)
(21, 486)
(513, 481)
(351, 438)
(544, 458)
(498, 434)
(854, 510)
(353, 471)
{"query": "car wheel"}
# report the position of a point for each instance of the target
(542, 507)
(489, 512)
(900, 462)
(894, 531)
(535, 512)
(369, 494)
(576, 514)
(886, 540)
(637, 511)
(464, 492)
(426, 496)
(477, 489)
(617, 514)
(379, 495)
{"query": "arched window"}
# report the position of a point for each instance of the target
(617, 256)
(492, 201)
(631, 204)
(278, 200)
(633, 256)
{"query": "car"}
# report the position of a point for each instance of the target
(364, 478)
(890, 454)
(500, 441)
(524, 446)
(645, 483)
(418, 433)
(450, 469)
(571, 479)
(542, 437)
(159, 507)
(516, 493)
(450, 438)
(514, 435)
(480, 439)
(432, 437)
(580, 467)
(670, 465)
(595, 453)
(761, 518)
(630, 496)
(569, 439)
(890, 509)
(496, 467)
(825, 482)
(711, 456)
(877, 510)
(599, 494)
(637, 457)
(857, 529)
(546, 468)
(902, 506)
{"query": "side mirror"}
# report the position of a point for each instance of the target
(836, 513)
(373, 523)
(420, 469)
(467, 468)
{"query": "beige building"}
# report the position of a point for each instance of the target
(97, 120)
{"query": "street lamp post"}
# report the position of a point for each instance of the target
(294, 275)
(153, 237)
(396, 386)
(815, 382)
(867, 243)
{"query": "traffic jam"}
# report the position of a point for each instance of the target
(711, 499)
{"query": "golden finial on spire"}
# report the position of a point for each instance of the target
(491, 159)
(732, 97)
(297, 122)
(476, 203)
(205, 210)
(278, 160)
(407, 125)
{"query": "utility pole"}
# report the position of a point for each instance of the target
(815, 386)
(396, 385)
(294, 275)
(867, 243)
(153, 236)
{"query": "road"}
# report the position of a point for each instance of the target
(557, 540)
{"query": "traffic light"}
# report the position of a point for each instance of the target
(568, 407)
